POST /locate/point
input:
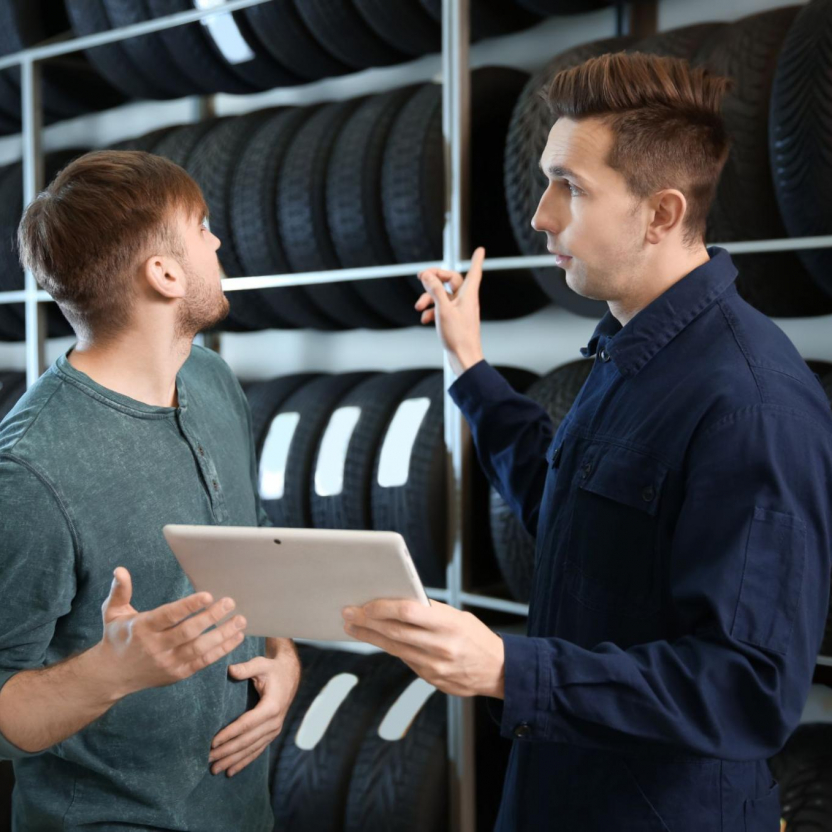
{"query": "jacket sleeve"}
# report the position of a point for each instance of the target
(748, 575)
(37, 574)
(511, 434)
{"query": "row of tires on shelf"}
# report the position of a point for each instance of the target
(282, 42)
(360, 182)
(346, 184)
(778, 175)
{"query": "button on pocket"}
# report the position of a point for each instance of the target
(612, 558)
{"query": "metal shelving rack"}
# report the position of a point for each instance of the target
(638, 18)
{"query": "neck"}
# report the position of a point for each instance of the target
(138, 364)
(659, 276)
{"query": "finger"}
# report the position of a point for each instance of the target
(198, 647)
(407, 611)
(405, 652)
(405, 634)
(121, 590)
(424, 301)
(247, 722)
(474, 276)
(213, 654)
(248, 740)
(436, 289)
(246, 760)
(190, 628)
(428, 317)
(169, 615)
(233, 759)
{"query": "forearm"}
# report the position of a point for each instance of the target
(39, 708)
(276, 645)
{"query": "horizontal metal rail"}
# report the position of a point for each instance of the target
(171, 21)
(486, 602)
(239, 284)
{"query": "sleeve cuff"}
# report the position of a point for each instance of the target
(479, 382)
(8, 750)
(524, 682)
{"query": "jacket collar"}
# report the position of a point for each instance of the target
(653, 327)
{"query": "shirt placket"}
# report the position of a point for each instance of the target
(210, 477)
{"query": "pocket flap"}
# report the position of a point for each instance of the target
(635, 481)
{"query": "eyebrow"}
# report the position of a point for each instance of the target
(556, 171)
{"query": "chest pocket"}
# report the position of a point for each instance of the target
(612, 562)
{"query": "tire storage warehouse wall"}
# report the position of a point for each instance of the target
(327, 141)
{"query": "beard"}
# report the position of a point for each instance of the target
(202, 308)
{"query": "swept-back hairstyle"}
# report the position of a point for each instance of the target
(666, 121)
(86, 234)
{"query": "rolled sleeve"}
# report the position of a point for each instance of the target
(511, 434)
(749, 569)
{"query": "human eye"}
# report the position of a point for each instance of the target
(574, 190)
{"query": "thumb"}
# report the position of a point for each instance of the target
(471, 284)
(121, 590)
(250, 669)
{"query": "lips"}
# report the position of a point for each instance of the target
(558, 254)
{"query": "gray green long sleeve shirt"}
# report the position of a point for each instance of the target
(88, 478)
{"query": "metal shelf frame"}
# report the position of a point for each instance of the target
(456, 129)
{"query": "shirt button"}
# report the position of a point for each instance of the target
(556, 456)
(586, 470)
(216, 486)
(201, 452)
(648, 494)
(523, 730)
(604, 355)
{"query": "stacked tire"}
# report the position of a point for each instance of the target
(363, 747)
(276, 44)
(775, 117)
(12, 387)
(356, 451)
(348, 184)
(70, 86)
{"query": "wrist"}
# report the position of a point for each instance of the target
(463, 360)
(106, 686)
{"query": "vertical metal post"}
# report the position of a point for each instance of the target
(456, 121)
(32, 110)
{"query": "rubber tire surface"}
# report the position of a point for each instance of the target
(416, 509)
(402, 785)
(800, 121)
(88, 17)
(413, 188)
(189, 48)
(254, 223)
(514, 547)
(803, 769)
(343, 32)
(283, 32)
(265, 398)
(315, 402)
(557, 7)
(377, 398)
(12, 387)
(148, 52)
(489, 18)
(406, 26)
(212, 164)
(146, 142)
(312, 785)
(525, 183)
(301, 211)
(354, 206)
(745, 207)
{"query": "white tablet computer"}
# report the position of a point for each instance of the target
(293, 583)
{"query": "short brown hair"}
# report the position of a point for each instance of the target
(665, 116)
(84, 236)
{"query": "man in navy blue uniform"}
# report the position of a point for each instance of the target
(682, 510)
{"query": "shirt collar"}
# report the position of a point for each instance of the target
(653, 327)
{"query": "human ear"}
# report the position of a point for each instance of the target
(669, 209)
(164, 276)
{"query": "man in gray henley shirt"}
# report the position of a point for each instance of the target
(130, 715)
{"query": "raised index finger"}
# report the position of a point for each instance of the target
(169, 615)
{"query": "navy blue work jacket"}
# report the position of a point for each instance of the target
(683, 525)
